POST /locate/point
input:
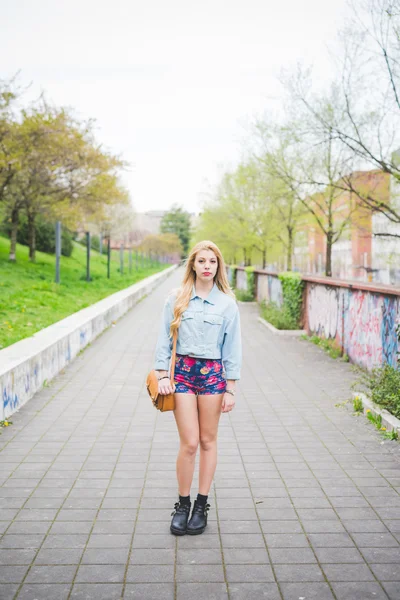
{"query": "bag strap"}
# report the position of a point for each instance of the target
(173, 357)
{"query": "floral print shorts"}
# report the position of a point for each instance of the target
(199, 376)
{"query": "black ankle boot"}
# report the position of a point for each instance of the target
(198, 520)
(180, 518)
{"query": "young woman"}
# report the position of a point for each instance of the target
(208, 361)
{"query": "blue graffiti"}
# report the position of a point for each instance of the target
(27, 383)
(390, 310)
(82, 337)
(9, 401)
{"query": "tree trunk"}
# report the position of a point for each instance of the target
(264, 259)
(249, 258)
(32, 237)
(245, 257)
(290, 248)
(328, 261)
(14, 231)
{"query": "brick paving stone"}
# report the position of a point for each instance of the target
(148, 574)
(149, 591)
(51, 574)
(8, 591)
(200, 573)
(199, 591)
(298, 573)
(311, 591)
(34, 591)
(100, 574)
(96, 591)
(392, 590)
(249, 573)
(358, 591)
(87, 482)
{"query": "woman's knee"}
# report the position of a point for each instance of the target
(190, 446)
(207, 442)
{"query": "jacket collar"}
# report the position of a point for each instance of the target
(212, 296)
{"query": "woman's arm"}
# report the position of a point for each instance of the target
(164, 351)
(164, 341)
(231, 351)
(232, 360)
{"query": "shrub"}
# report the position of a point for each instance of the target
(279, 317)
(330, 346)
(94, 242)
(45, 236)
(244, 296)
(383, 384)
(292, 291)
(251, 282)
(233, 273)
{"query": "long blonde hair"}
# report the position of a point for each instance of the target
(189, 278)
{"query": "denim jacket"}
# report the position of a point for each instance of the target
(209, 328)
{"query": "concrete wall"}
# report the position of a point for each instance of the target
(26, 365)
(362, 320)
(360, 317)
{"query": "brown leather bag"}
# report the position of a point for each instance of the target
(162, 402)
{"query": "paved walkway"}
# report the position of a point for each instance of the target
(305, 502)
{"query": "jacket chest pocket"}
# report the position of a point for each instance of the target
(212, 328)
(187, 328)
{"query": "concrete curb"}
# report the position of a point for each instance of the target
(388, 420)
(287, 332)
(26, 365)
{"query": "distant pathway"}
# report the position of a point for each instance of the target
(305, 503)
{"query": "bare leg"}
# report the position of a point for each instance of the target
(187, 421)
(209, 415)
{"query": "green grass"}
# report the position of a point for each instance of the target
(279, 317)
(330, 346)
(243, 295)
(30, 300)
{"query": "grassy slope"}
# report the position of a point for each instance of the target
(30, 300)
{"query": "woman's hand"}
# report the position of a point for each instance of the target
(165, 387)
(228, 403)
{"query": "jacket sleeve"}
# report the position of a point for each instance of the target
(232, 347)
(164, 341)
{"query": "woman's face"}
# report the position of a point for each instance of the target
(205, 265)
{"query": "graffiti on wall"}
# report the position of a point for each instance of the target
(390, 319)
(362, 322)
(323, 303)
(275, 290)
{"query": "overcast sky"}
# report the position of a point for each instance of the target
(172, 84)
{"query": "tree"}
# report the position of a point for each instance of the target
(62, 173)
(287, 206)
(313, 164)
(8, 155)
(177, 221)
(163, 244)
(368, 87)
(242, 216)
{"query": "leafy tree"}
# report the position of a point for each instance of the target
(177, 221)
(314, 167)
(365, 118)
(162, 245)
(61, 172)
(242, 218)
